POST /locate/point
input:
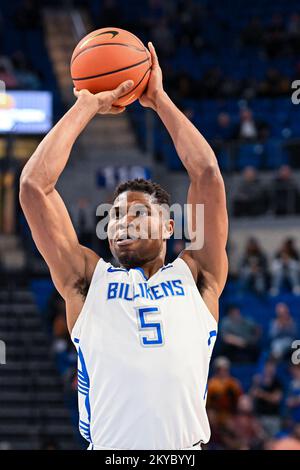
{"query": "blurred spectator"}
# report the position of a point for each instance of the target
(250, 198)
(289, 247)
(224, 127)
(253, 269)
(223, 390)
(243, 431)
(291, 442)
(283, 331)
(293, 396)
(285, 270)
(284, 192)
(239, 337)
(267, 392)
(250, 129)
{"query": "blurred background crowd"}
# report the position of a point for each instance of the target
(232, 75)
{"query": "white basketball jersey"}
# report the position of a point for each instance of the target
(144, 347)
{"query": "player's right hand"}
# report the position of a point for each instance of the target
(103, 102)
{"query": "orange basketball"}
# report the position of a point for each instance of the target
(107, 57)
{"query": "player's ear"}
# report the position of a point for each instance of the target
(168, 229)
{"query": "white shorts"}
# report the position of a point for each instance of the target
(94, 447)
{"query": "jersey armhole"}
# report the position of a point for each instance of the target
(185, 269)
(100, 268)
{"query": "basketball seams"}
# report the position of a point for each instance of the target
(112, 72)
(128, 93)
(87, 64)
(107, 44)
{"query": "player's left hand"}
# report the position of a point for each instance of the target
(155, 84)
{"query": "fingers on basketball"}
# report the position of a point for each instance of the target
(153, 54)
(122, 89)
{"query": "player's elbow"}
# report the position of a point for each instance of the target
(208, 174)
(28, 189)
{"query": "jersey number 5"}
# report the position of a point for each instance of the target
(153, 330)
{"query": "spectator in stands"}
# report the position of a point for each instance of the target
(282, 332)
(250, 198)
(288, 245)
(293, 397)
(243, 431)
(253, 268)
(285, 269)
(291, 442)
(224, 127)
(284, 193)
(250, 129)
(239, 337)
(267, 392)
(223, 391)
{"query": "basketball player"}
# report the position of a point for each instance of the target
(144, 331)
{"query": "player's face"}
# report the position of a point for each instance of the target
(137, 229)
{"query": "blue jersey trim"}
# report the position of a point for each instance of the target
(142, 272)
(212, 334)
(84, 389)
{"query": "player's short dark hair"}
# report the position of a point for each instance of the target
(144, 186)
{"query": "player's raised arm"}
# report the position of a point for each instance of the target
(209, 263)
(44, 209)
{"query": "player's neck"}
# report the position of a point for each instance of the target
(151, 267)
